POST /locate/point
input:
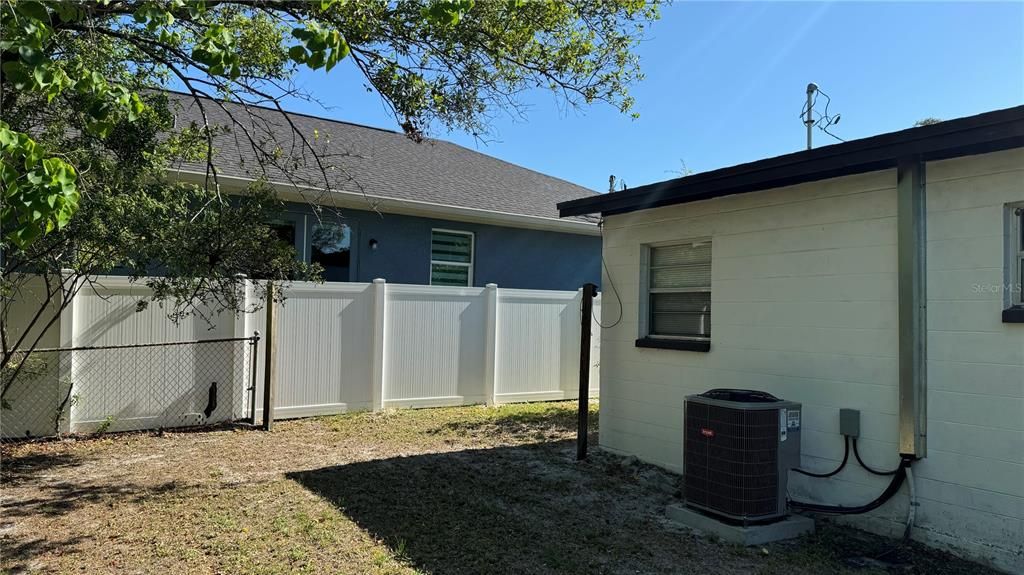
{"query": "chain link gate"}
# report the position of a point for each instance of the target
(94, 389)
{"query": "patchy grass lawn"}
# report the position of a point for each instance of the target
(461, 490)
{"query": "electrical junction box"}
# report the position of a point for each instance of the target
(849, 422)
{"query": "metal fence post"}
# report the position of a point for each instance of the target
(586, 310)
(270, 364)
(379, 341)
(491, 345)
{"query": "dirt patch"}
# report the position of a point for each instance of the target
(462, 490)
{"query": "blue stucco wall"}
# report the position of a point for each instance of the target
(509, 257)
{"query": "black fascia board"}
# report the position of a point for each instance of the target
(988, 132)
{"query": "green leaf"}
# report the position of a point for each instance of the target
(297, 54)
(16, 74)
(32, 10)
(68, 11)
(30, 55)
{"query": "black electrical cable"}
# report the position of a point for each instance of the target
(611, 284)
(846, 457)
(865, 465)
(897, 481)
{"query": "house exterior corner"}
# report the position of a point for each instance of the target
(804, 294)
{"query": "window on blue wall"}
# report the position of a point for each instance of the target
(451, 258)
(331, 247)
(285, 231)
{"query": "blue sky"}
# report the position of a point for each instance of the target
(725, 83)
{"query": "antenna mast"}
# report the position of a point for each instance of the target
(809, 121)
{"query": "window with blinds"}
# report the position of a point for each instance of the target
(679, 291)
(451, 258)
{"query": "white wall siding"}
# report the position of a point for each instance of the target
(972, 482)
(803, 302)
(804, 305)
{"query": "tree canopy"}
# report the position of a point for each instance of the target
(87, 130)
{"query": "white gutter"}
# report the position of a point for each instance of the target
(370, 202)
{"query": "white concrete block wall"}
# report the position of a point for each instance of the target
(804, 305)
(971, 484)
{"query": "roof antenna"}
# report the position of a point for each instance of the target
(809, 121)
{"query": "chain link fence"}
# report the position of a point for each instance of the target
(127, 387)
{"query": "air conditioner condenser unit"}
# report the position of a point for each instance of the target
(738, 446)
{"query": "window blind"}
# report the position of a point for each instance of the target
(679, 290)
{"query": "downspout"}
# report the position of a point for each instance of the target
(911, 222)
(913, 303)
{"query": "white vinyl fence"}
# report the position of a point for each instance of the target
(352, 346)
(340, 347)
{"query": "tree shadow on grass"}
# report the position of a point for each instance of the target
(61, 498)
(18, 556)
(529, 509)
(21, 547)
(19, 469)
(552, 419)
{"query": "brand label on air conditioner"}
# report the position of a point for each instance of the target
(782, 424)
(707, 432)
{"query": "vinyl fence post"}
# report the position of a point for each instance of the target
(66, 361)
(586, 310)
(241, 329)
(491, 344)
(270, 364)
(595, 343)
(379, 341)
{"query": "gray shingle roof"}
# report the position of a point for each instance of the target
(370, 160)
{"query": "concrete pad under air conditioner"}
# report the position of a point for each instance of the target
(788, 528)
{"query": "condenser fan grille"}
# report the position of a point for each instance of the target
(731, 460)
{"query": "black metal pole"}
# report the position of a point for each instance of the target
(586, 309)
(253, 357)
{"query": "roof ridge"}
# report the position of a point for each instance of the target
(385, 130)
(289, 112)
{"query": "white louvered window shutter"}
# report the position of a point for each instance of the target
(679, 290)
